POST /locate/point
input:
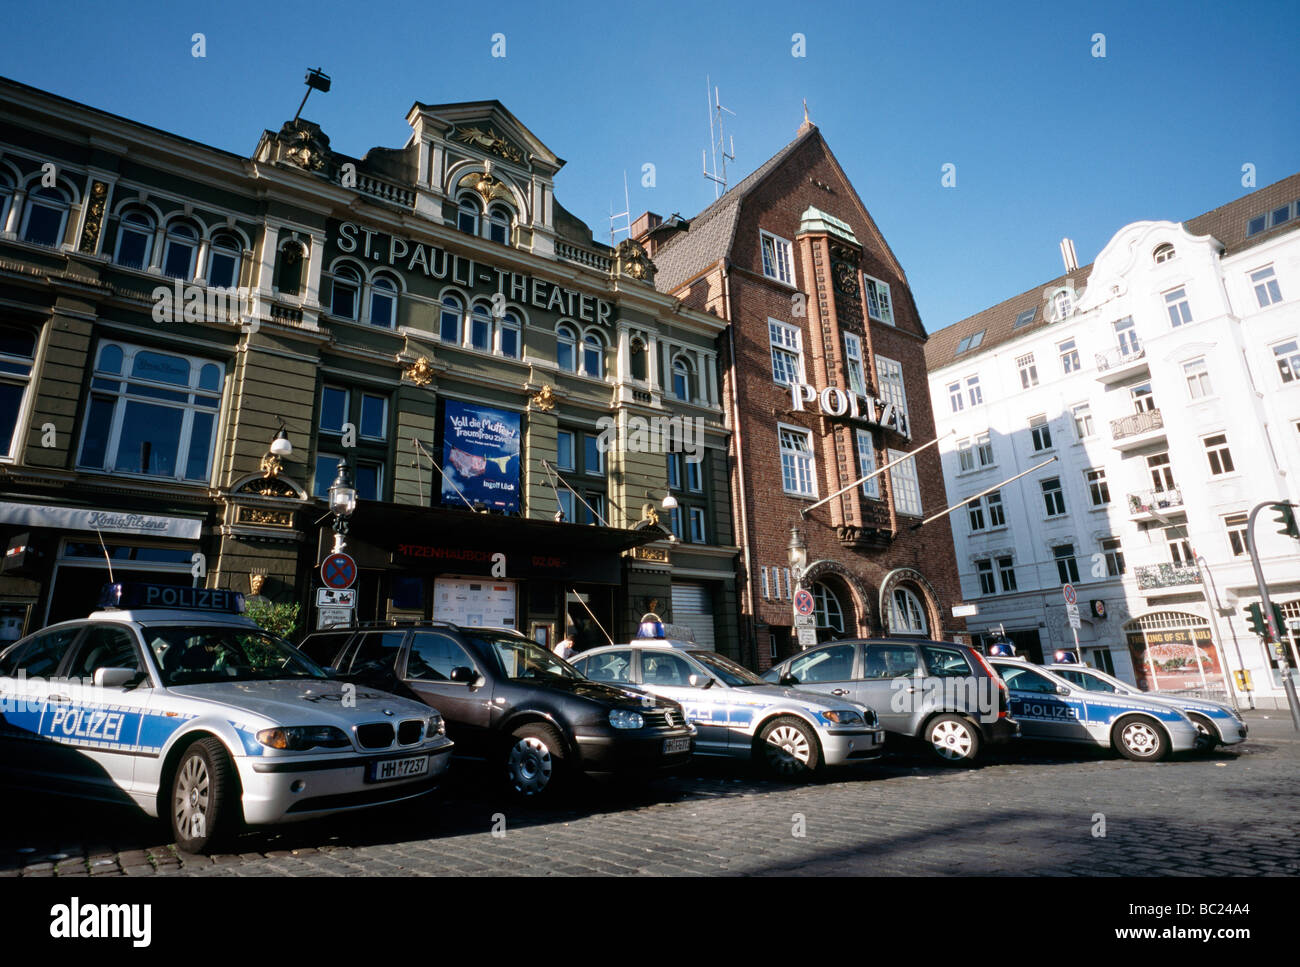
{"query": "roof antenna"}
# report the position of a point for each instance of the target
(316, 80)
(717, 141)
(107, 559)
(625, 214)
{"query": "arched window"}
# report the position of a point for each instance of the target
(566, 348)
(225, 258)
(509, 341)
(1163, 253)
(827, 613)
(683, 379)
(593, 355)
(449, 319)
(480, 327)
(637, 361)
(499, 219)
(288, 268)
(181, 247)
(1062, 304)
(346, 293)
(46, 216)
(467, 215)
(6, 198)
(383, 302)
(906, 616)
(134, 239)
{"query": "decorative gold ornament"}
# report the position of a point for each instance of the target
(419, 372)
(489, 140)
(486, 185)
(94, 216)
(256, 578)
(271, 465)
(648, 514)
(543, 399)
(630, 259)
(269, 518)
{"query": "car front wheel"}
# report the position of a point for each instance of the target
(1140, 739)
(1208, 737)
(953, 739)
(534, 761)
(203, 805)
(789, 748)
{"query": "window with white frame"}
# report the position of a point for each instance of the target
(181, 246)
(697, 525)
(135, 232)
(346, 293)
(1162, 471)
(46, 217)
(889, 378)
(1287, 355)
(499, 220)
(776, 577)
(766, 589)
(1028, 370)
(1098, 488)
(17, 357)
(480, 327)
(1053, 496)
(1217, 452)
(225, 258)
(683, 379)
(1197, 374)
(1007, 573)
(1144, 400)
(593, 355)
(1235, 526)
(797, 461)
(1114, 554)
(965, 456)
(975, 511)
(1069, 354)
(879, 305)
(1082, 414)
(1180, 548)
(955, 397)
(786, 343)
(853, 363)
(366, 411)
(1267, 291)
(1040, 432)
(906, 616)
(566, 348)
(984, 569)
(984, 449)
(1180, 311)
(509, 335)
(1126, 337)
(789, 588)
(1062, 304)
(1067, 567)
(973, 390)
(997, 517)
(827, 612)
(867, 463)
(777, 261)
(152, 413)
(6, 198)
(468, 212)
(905, 485)
(383, 302)
(1163, 253)
(450, 315)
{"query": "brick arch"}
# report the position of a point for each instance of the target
(918, 581)
(858, 591)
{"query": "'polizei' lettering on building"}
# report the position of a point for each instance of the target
(102, 921)
(833, 401)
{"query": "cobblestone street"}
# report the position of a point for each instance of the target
(1025, 811)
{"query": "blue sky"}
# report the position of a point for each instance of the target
(1048, 140)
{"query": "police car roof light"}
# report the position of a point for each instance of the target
(1066, 657)
(651, 629)
(135, 596)
(1002, 649)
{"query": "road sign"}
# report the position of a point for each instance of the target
(1072, 611)
(807, 637)
(803, 601)
(1293, 624)
(804, 621)
(334, 617)
(338, 571)
(965, 610)
(334, 598)
(1068, 592)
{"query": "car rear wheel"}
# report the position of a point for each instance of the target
(534, 761)
(1140, 739)
(953, 739)
(203, 809)
(789, 748)
(1209, 737)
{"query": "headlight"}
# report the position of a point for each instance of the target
(842, 716)
(301, 738)
(622, 718)
(437, 726)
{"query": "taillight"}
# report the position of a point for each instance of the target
(1004, 694)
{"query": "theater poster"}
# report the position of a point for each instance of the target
(480, 457)
(1173, 659)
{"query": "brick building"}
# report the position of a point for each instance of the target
(824, 379)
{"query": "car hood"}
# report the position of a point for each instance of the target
(1189, 702)
(305, 702)
(596, 691)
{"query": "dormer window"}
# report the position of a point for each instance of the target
(1062, 304)
(468, 215)
(499, 220)
(1163, 253)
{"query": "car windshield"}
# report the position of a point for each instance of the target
(521, 658)
(192, 654)
(1091, 683)
(727, 670)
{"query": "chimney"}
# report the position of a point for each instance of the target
(1067, 255)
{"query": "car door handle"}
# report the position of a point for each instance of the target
(839, 691)
(59, 698)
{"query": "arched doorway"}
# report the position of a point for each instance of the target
(829, 612)
(908, 605)
(906, 614)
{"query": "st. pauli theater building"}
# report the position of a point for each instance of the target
(193, 339)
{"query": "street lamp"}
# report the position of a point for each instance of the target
(798, 554)
(273, 459)
(343, 501)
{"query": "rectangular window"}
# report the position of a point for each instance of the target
(1007, 574)
(694, 479)
(1144, 400)
(853, 363)
(965, 456)
(1266, 287)
(1162, 471)
(593, 462)
(776, 576)
(955, 397)
(1235, 525)
(1069, 356)
(984, 448)
(17, 357)
(1098, 489)
(564, 451)
(879, 306)
(1028, 371)
(565, 499)
(867, 464)
(1180, 312)
(697, 525)
(797, 462)
(152, 413)
(889, 377)
(1126, 337)
(1110, 547)
(786, 344)
(789, 588)
(333, 409)
(994, 501)
(674, 471)
(675, 521)
(1287, 355)
(1083, 427)
(970, 342)
(1067, 568)
(985, 571)
(777, 263)
(594, 512)
(975, 510)
(1180, 548)
(1217, 452)
(1040, 432)
(906, 487)
(374, 417)
(1197, 375)
(973, 390)
(1053, 498)
(766, 590)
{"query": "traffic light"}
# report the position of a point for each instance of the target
(1286, 517)
(1279, 623)
(1255, 619)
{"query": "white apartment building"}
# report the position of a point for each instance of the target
(1165, 381)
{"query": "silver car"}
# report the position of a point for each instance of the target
(738, 714)
(1218, 724)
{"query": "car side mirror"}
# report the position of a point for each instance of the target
(1062, 690)
(114, 677)
(700, 681)
(788, 680)
(464, 674)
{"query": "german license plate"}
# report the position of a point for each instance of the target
(387, 770)
(677, 745)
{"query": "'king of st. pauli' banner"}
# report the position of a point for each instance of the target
(1175, 658)
(480, 457)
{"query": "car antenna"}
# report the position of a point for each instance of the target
(107, 559)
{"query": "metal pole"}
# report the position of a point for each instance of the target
(875, 473)
(987, 490)
(1207, 583)
(1274, 637)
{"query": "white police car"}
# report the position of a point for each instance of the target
(1049, 707)
(171, 699)
(1218, 724)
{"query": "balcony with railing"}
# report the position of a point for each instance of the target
(1137, 429)
(1120, 363)
(1150, 503)
(386, 190)
(1155, 576)
(568, 252)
